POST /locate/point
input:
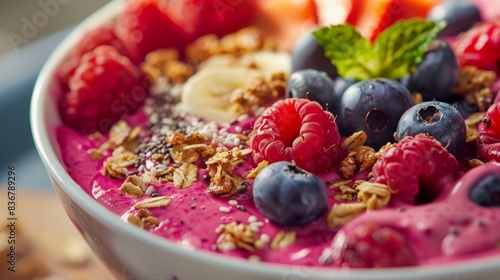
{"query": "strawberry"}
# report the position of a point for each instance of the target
(371, 17)
(219, 17)
(145, 26)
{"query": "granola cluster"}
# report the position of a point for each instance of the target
(475, 86)
(259, 92)
(358, 199)
(220, 169)
(164, 65)
(246, 40)
(359, 158)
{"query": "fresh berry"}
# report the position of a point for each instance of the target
(105, 87)
(463, 105)
(309, 54)
(437, 75)
(479, 46)
(145, 26)
(371, 17)
(201, 17)
(437, 119)
(375, 107)
(488, 143)
(371, 245)
(313, 85)
(103, 35)
(288, 195)
(486, 192)
(418, 169)
(459, 16)
(296, 130)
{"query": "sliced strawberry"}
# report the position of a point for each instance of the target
(145, 26)
(287, 20)
(371, 17)
(219, 17)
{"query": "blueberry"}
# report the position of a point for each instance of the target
(288, 195)
(463, 105)
(311, 84)
(309, 54)
(437, 119)
(375, 107)
(437, 75)
(486, 191)
(459, 15)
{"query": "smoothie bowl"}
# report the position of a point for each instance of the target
(219, 163)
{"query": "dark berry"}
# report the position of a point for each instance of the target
(298, 130)
(309, 54)
(375, 107)
(459, 15)
(313, 85)
(486, 191)
(437, 74)
(463, 105)
(288, 195)
(437, 119)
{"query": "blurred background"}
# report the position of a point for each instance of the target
(29, 31)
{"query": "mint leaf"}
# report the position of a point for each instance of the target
(396, 52)
(401, 47)
(347, 49)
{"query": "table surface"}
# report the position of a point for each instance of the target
(47, 243)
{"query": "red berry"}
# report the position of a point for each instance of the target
(103, 35)
(414, 166)
(201, 17)
(370, 245)
(145, 26)
(296, 130)
(479, 46)
(105, 87)
(489, 135)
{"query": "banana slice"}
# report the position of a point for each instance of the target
(206, 94)
(270, 62)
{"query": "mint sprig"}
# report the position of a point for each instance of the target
(397, 51)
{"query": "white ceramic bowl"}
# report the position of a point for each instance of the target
(132, 253)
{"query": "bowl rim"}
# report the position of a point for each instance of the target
(55, 168)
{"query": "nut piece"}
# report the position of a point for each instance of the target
(153, 202)
(283, 239)
(475, 162)
(133, 186)
(185, 175)
(471, 124)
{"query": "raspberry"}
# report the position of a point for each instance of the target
(103, 35)
(418, 169)
(145, 26)
(296, 130)
(488, 143)
(479, 46)
(201, 17)
(370, 245)
(105, 87)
